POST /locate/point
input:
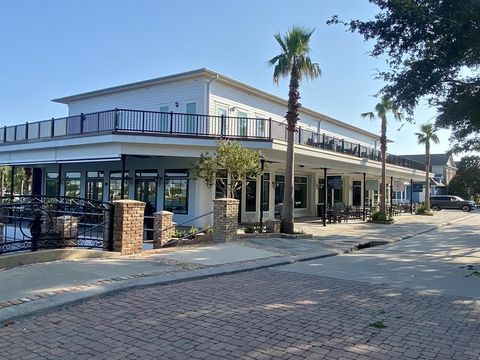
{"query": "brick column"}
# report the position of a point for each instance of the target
(162, 220)
(128, 226)
(225, 219)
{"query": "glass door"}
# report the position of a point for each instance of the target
(146, 191)
(94, 189)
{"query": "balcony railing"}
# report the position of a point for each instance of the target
(181, 124)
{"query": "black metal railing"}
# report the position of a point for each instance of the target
(182, 124)
(30, 223)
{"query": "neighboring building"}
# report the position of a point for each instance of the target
(443, 169)
(139, 141)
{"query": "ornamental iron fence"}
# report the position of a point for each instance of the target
(31, 223)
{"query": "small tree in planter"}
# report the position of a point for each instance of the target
(238, 162)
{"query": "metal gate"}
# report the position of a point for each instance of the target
(29, 223)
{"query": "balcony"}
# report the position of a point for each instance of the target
(122, 121)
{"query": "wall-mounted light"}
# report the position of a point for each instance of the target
(233, 108)
(176, 104)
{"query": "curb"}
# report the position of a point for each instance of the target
(100, 288)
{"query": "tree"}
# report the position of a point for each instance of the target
(466, 182)
(3, 175)
(239, 163)
(293, 61)
(433, 49)
(427, 134)
(381, 109)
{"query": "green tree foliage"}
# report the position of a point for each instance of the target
(240, 163)
(294, 62)
(427, 134)
(433, 49)
(384, 107)
(466, 182)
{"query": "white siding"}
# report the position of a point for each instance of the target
(147, 98)
(229, 97)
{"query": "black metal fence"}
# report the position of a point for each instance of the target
(30, 223)
(181, 124)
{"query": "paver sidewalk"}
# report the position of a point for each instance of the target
(31, 288)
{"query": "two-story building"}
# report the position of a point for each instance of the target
(140, 140)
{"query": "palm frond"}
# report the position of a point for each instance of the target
(369, 115)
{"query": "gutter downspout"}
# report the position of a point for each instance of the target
(207, 97)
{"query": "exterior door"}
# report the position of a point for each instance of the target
(238, 195)
(146, 191)
(94, 189)
(357, 193)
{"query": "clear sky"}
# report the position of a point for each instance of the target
(55, 48)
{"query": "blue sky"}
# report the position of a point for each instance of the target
(55, 48)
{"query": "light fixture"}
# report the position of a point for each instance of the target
(233, 108)
(176, 104)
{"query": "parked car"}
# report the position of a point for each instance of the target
(440, 202)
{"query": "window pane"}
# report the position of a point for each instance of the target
(176, 196)
(251, 196)
(300, 195)
(242, 123)
(191, 109)
(72, 188)
(164, 119)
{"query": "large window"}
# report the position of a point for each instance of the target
(72, 184)
(176, 191)
(251, 195)
(51, 188)
(115, 188)
(300, 190)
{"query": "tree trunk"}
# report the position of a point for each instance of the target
(2, 183)
(383, 149)
(427, 177)
(287, 224)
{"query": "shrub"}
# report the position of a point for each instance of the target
(250, 229)
(193, 230)
(420, 209)
(180, 233)
(378, 216)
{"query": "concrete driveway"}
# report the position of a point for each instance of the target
(446, 261)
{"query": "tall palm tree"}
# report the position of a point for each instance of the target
(427, 134)
(293, 61)
(381, 109)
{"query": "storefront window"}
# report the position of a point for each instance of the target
(51, 188)
(300, 190)
(72, 184)
(115, 186)
(176, 191)
(251, 195)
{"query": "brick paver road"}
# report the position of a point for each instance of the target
(261, 314)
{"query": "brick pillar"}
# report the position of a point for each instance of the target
(128, 226)
(225, 219)
(2, 240)
(163, 228)
(67, 228)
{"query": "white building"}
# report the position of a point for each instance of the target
(154, 130)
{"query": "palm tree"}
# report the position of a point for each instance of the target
(294, 61)
(381, 109)
(428, 132)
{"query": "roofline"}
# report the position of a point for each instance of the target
(211, 74)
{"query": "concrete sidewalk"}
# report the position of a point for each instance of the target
(37, 287)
